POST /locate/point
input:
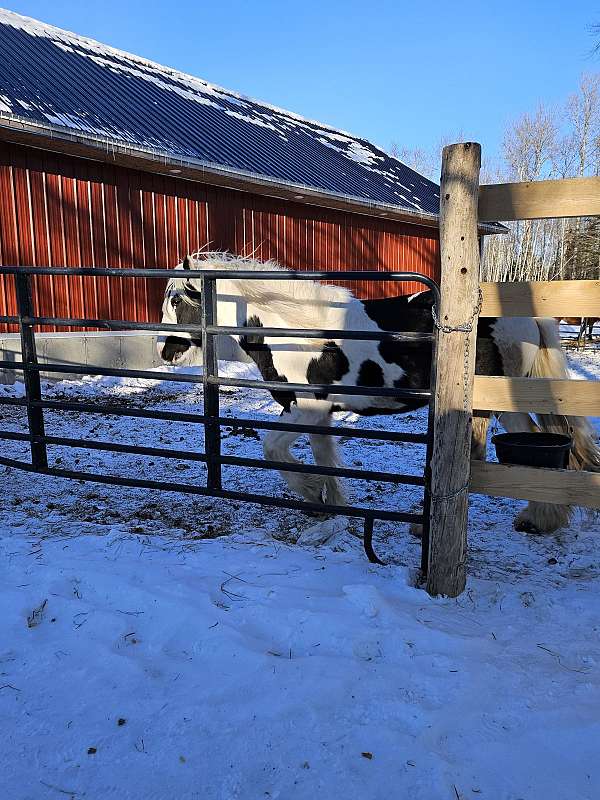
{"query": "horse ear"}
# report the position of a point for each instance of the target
(187, 263)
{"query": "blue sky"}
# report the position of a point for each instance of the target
(410, 72)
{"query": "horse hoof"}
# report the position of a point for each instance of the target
(525, 526)
(416, 529)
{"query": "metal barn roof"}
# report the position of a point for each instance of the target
(56, 82)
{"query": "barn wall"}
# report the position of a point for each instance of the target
(63, 211)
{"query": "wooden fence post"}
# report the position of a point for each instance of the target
(457, 333)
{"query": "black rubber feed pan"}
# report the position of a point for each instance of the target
(549, 450)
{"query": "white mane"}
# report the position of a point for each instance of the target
(301, 303)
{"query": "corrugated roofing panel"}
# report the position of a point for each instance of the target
(54, 78)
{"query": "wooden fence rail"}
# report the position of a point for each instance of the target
(560, 486)
(572, 197)
(541, 299)
(537, 395)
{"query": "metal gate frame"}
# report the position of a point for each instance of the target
(35, 404)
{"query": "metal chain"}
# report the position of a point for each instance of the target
(466, 328)
(452, 495)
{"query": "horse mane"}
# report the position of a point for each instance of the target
(302, 304)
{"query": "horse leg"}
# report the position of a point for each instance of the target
(326, 454)
(277, 444)
(581, 335)
(481, 421)
(536, 517)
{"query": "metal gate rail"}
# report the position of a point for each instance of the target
(210, 419)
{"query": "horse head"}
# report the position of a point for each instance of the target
(181, 306)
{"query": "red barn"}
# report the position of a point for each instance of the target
(107, 159)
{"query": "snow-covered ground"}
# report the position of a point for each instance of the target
(158, 646)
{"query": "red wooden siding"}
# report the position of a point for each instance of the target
(62, 211)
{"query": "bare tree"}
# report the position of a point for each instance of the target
(561, 142)
(529, 145)
(551, 143)
(422, 161)
(577, 151)
(425, 161)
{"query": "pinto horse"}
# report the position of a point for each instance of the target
(521, 346)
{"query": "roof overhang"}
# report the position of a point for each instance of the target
(89, 146)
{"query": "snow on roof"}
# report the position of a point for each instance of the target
(56, 79)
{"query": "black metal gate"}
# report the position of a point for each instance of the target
(212, 421)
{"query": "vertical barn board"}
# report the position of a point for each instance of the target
(23, 209)
(203, 238)
(280, 222)
(262, 229)
(257, 235)
(156, 288)
(171, 223)
(44, 283)
(335, 245)
(249, 228)
(320, 241)
(240, 227)
(148, 232)
(183, 247)
(25, 228)
(343, 241)
(395, 258)
(360, 255)
(392, 258)
(413, 264)
(8, 240)
(455, 366)
(302, 233)
(150, 310)
(126, 243)
(138, 285)
(261, 249)
(210, 204)
(99, 245)
(73, 286)
(382, 255)
(192, 221)
(54, 210)
(274, 246)
(310, 242)
(232, 212)
(267, 229)
(113, 249)
(328, 240)
(86, 250)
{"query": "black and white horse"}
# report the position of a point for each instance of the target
(509, 346)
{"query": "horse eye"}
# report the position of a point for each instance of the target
(175, 301)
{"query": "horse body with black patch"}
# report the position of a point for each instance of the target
(513, 347)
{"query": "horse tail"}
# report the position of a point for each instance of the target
(551, 362)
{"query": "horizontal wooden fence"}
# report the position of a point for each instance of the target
(579, 398)
(541, 299)
(502, 202)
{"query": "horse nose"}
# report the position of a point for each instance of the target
(174, 346)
